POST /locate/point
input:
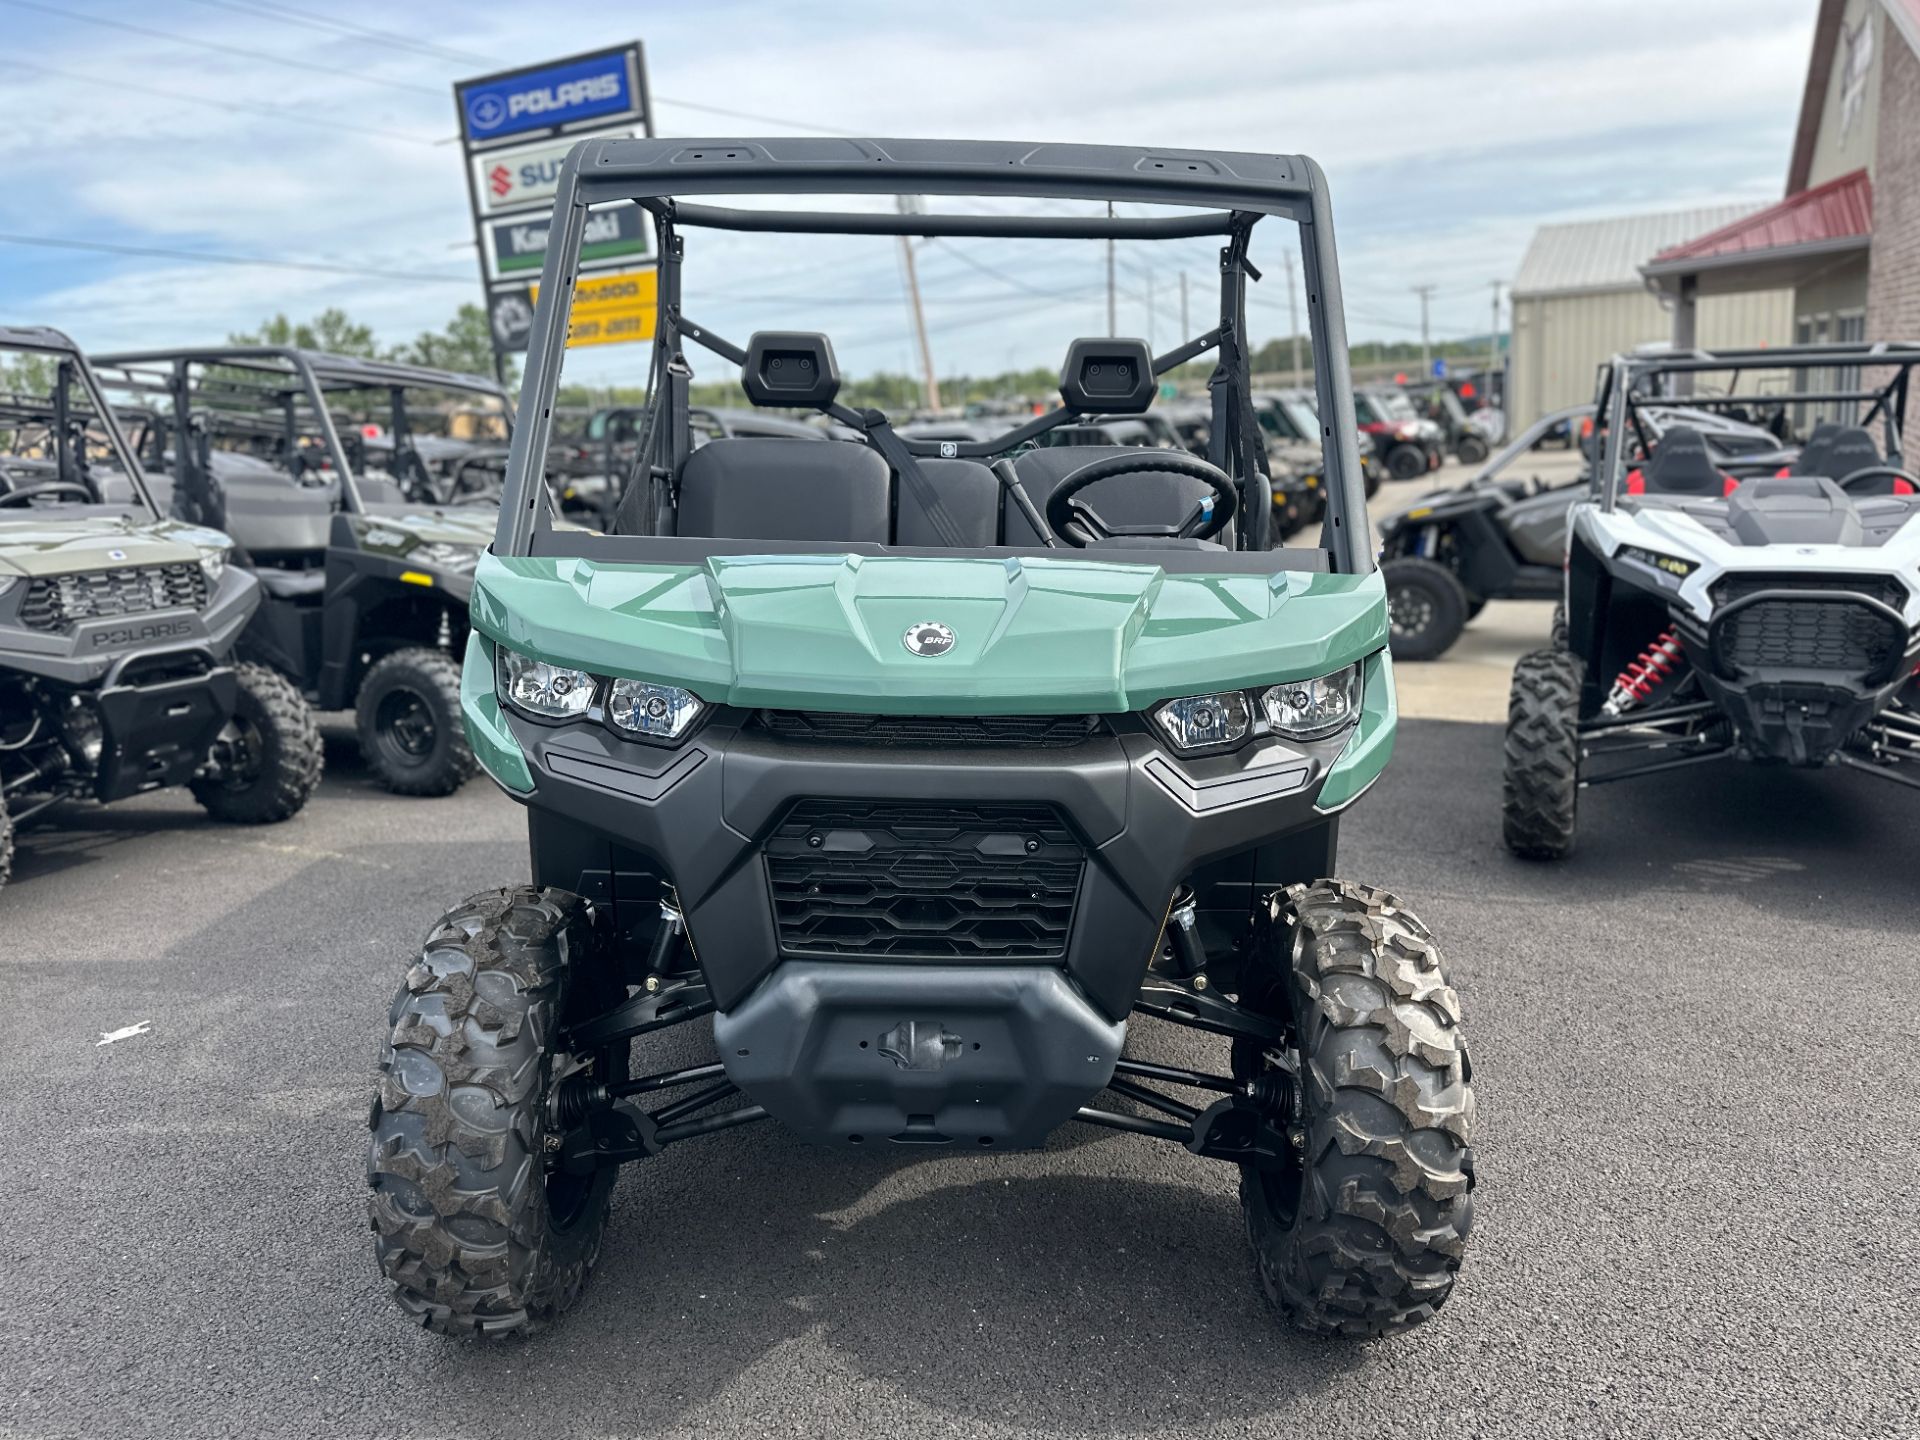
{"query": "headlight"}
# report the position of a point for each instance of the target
(7, 582)
(1203, 722)
(1308, 709)
(458, 558)
(542, 689)
(660, 712)
(213, 562)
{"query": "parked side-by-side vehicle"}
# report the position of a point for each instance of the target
(922, 767)
(118, 624)
(359, 511)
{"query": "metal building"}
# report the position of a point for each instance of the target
(1580, 296)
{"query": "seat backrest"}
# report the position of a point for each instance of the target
(1850, 449)
(786, 489)
(1151, 497)
(1812, 459)
(969, 494)
(1682, 465)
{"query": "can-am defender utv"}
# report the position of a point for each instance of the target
(1774, 618)
(362, 517)
(117, 624)
(920, 776)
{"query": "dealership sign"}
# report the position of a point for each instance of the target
(517, 247)
(505, 181)
(516, 129)
(612, 309)
(563, 94)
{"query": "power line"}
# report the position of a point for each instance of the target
(232, 107)
(217, 48)
(208, 257)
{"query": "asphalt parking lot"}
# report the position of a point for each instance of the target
(1699, 1153)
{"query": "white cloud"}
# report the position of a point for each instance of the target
(1594, 105)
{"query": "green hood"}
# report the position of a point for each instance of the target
(51, 543)
(1030, 635)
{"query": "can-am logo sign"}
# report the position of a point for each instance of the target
(595, 87)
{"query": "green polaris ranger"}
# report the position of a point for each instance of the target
(916, 777)
(348, 492)
(117, 625)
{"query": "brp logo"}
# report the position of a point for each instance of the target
(928, 638)
(485, 112)
(500, 181)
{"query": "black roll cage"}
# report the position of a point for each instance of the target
(71, 367)
(298, 375)
(1628, 387)
(1225, 194)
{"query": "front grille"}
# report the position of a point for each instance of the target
(55, 602)
(1829, 635)
(924, 880)
(1045, 732)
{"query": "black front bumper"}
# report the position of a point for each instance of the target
(158, 732)
(713, 818)
(1800, 668)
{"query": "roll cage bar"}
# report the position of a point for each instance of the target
(55, 412)
(1225, 193)
(1625, 383)
(301, 375)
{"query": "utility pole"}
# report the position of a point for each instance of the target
(1425, 292)
(1113, 321)
(1293, 317)
(1186, 330)
(1493, 343)
(930, 384)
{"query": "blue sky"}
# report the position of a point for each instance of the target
(1448, 131)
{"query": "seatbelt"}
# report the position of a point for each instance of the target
(907, 466)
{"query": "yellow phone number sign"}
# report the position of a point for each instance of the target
(612, 309)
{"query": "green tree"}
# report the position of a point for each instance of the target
(465, 344)
(331, 330)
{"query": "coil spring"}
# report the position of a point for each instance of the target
(1651, 668)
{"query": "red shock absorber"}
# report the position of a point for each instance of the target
(1649, 670)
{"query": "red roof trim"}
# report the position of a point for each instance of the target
(1838, 210)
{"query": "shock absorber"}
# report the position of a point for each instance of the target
(1650, 669)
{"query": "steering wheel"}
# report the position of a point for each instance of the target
(1077, 522)
(48, 487)
(1879, 472)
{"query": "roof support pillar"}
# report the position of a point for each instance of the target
(1685, 319)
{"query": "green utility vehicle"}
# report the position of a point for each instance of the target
(361, 493)
(916, 778)
(117, 625)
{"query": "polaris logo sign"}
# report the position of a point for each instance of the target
(568, 93)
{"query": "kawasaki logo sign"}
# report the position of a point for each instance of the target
(517, 247)
(602, 87)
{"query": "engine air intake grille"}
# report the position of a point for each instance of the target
(55, 602)
(1812, 634)
(1047, 732)
(933, 880)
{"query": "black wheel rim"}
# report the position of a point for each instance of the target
(1409, 611)
(405, 722)
(236, 753)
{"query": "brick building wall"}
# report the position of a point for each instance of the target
(1893, 283)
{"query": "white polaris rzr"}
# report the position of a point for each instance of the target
(1712, 612)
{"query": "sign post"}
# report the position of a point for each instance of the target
(515, 130)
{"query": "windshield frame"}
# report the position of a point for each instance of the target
(65, 353)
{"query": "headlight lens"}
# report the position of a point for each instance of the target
(213, 562)
(542, 689)
(447, 556)
(1307, 709)
(660, 712)
(1201, 722)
